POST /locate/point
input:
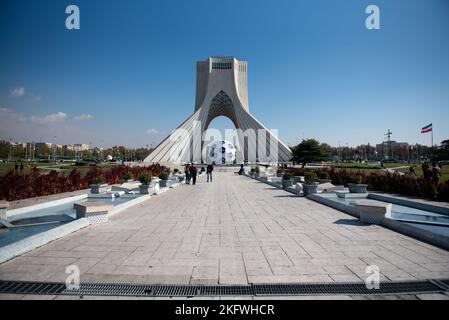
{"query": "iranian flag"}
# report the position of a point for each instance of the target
(426, 129)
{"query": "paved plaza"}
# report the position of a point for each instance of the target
(235, 230)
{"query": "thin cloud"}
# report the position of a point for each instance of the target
(152, 132)
(83, 116)
(18, 92)
(51, 118)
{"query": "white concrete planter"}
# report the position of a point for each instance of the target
(98, 188)
(310, 188)
(357, 188)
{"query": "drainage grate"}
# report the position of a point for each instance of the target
(21, 287)
(227, 290)
(343, 288)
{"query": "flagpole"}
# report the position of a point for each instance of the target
(432, 137)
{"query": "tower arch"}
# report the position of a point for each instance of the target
(221, 90)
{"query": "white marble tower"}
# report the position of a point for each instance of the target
(221, 90)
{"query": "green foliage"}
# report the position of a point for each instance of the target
(357, 179)
(287, 176)
(164, 175)
(311, 177)
(324, 175)
(99, 179)
(311, 150)
(442, 152)
(128, 176)
(145, 178)
(257, 169)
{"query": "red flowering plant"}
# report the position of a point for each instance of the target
(15, 186)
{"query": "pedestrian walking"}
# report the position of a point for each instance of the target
(426, 171)
(436, 173)
(193, 172)
(209, 170)
(187, 173)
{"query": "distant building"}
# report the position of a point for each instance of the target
(80, 147)
(18, 143)
(392, 150)
(42, 144)
(77, 147)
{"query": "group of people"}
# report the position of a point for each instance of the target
(191, 172)
(433, 173)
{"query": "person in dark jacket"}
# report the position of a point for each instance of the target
(427, 174)
(187, 173)
(193, 172)
(436, 173)
(209, 170)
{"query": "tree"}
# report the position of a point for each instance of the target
(442, 153)
(310, 150)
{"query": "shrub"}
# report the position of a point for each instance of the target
(128, 176)
(145, 178)
(257, 169)
(164, 175)
(443, 191)
(175, 171)
(324, 174)
(287, 176)
(253, 170)
(311, 177)
(356, 179)
(99, 179)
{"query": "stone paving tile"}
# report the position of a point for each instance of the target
(234, 230)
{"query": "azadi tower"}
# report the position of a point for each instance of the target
(221, 90)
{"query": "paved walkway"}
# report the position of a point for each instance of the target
(233, 231)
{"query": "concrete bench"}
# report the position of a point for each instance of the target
(372, 211)
(94, 212)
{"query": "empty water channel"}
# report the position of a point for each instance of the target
(426, 222)
(29, 221)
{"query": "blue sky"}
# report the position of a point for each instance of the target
(128, 75)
